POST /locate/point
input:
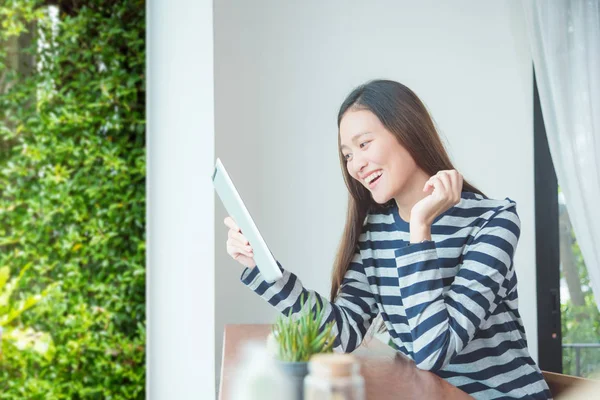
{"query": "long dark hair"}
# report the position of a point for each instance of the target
(405, 116)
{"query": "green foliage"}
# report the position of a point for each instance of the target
(72, 198)
(16, 338)
(298, 337)
(581, 324)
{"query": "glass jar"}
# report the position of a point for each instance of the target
(334, 376)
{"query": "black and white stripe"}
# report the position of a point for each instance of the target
(450, 304)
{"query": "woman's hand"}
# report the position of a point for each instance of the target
(445, 188)
(238, 246)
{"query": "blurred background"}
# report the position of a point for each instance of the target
(72, 199)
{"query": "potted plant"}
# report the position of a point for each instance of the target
(296, 338)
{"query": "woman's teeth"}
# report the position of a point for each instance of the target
(372, 177)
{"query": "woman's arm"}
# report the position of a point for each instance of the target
(353, 310)
(443, 324)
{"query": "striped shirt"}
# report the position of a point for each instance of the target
(450, 304)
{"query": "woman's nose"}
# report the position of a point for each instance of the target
(359, 165)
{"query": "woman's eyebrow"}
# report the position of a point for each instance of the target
(354, 138)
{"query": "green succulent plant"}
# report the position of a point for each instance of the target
(298, 336)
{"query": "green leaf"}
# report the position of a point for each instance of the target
(4, 274)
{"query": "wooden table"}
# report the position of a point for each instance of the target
(387, 373)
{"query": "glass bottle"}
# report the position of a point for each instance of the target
(334, 376)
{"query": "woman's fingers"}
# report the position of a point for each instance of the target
(448, 183)
(447, 187)
(433, 183)
(230, 223)
(233, 249)
(236, 235)
(238, 240)
(457, 184)
(238, 246)
(437, 184)
(247, 250)
(445, 180)
(244, 259)
(233, 234)
(453, 183)
(428, 185)
(456, 179)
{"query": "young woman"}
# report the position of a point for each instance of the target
(422, 248)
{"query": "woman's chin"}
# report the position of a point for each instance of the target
(380, 199)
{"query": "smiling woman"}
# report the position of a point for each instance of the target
(422, 249)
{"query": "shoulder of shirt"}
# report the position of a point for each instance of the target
(489, 207)
(469, 200)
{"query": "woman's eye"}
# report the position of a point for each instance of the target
(363, 143)
(346, 157)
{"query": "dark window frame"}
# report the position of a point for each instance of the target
(547, 246)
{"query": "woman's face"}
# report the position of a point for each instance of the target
(368, 147)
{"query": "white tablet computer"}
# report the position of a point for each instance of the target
(237, 210)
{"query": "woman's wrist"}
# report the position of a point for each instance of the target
(419, 231)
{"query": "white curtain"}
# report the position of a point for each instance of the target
(564, 37)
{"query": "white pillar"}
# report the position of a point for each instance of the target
(180, 200)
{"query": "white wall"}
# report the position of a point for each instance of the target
(180, 200)
(282, 70)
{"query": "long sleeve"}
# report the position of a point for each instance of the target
(442, 324)
(353, 310)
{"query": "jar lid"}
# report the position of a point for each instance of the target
(333, 364)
